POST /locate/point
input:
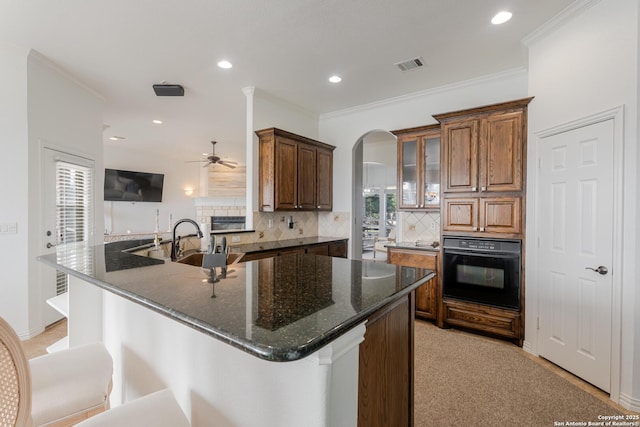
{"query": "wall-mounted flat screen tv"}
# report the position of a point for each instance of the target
(129, 186)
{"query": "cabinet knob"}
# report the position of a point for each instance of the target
(474, 189)
(481, 228)
(318, 206)
(483, 189)
(475, 228)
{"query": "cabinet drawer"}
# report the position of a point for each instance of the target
(409, 258)
(482, 318)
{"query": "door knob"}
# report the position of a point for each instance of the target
(50, 245)
(601, 269)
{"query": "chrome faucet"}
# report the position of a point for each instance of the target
(173, 235)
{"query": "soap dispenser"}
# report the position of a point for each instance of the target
(290, 221)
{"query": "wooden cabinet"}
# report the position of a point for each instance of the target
(491, 320)
(426, 295)
(385, 373)
(419, 167)
(295, 172)
(483, 153)
(483, 169)
(482, 214)
(336, 248)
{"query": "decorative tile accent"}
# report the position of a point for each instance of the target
(334, 224)
(420, 226)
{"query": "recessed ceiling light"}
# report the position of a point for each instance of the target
(501, 18)
(156, 121)
(225, 64)
(116, 138)
(335, 79)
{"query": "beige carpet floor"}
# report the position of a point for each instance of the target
(463, 379)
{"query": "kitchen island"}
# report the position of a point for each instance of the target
(277, 342)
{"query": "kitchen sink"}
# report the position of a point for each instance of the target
(195, 258)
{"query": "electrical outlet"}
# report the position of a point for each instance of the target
(235, 239)
(433, 226)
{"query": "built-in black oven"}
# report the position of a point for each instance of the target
(485, 271)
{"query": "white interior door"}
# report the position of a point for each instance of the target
(575, 213)
(67, 213)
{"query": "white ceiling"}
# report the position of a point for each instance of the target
(288, 48)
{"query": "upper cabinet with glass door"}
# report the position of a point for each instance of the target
(419, 168)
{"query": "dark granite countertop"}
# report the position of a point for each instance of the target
(412, 245)
(278, 309)
(282, 244)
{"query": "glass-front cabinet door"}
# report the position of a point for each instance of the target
(419, 168)
(408, 161)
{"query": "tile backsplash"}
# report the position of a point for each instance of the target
(422, 226)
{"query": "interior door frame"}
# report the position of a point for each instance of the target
(617, 115)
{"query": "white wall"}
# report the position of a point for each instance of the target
(120, 217)
(14, 179)
(41, 106)
(588, 65)
(344, 128)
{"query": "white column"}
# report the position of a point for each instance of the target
(248, 92)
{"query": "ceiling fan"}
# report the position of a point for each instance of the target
(213, 159)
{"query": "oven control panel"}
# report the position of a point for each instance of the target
(490, 245)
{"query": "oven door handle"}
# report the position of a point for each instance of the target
(501, 255)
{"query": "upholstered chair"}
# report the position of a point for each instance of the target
(54, 390)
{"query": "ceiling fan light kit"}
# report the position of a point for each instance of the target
(165, 89)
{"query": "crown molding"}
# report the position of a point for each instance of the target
(445, 88)
(570, 12)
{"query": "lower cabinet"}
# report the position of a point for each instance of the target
(337, 249)
(427, 294)
(492, 320)
(385, 376)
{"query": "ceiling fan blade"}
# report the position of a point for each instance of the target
(223, 163)
(207, 165)
(194, 161)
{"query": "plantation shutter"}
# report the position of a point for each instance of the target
(74, 218)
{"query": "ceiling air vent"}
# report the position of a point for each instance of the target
(165, 89)
(410, 64)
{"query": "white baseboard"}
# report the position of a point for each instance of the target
(526, 346)
(26, 335)
(629, 402)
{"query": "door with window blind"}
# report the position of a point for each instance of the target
(68, 213)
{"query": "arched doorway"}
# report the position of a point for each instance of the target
(373, 196)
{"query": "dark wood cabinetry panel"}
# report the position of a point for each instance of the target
(286, 164)
(324, 181)
(502, 152)
(460, 156)
(483, 169)
(500, 215)
(426, 296)
(295, 172)
(482, 214)
(306, 177)
(336, 248)
(385, 389)
(492, 320)
(460, 214)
